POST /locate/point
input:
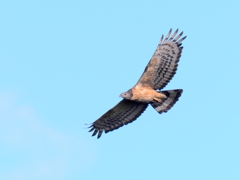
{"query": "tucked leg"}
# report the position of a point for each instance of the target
(157, 99)
(161, 96)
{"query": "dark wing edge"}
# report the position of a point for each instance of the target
(168, 103)
(126, 111)
(168, 54)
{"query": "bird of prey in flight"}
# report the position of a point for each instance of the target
(158, 72)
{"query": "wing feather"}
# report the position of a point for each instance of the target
(179, 42)
(178, 37)
(126, 111)
(166, 39)
(163, 64)
(174, 34)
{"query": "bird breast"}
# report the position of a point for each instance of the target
(143, 94)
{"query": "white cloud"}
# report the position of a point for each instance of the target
(33, 150)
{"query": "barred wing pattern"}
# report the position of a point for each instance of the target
(126, 111)
(163, 64)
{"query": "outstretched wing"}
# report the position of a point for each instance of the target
(163, 64)
(124, 112)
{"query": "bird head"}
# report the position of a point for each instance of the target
(127, 95)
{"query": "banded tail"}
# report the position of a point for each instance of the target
(168, 103)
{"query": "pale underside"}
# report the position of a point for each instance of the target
(144, 93)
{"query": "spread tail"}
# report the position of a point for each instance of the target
(168, 103)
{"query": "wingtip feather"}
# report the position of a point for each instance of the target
(166, 38)
(161, 40)
(95, 132)
(174, 34)
(92, 128)
(99, 133)
(179, 42)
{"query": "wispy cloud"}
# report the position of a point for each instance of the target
(32, 149)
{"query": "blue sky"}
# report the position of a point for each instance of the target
(64, 64)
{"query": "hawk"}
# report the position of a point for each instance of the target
(159, 71)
